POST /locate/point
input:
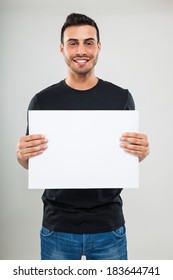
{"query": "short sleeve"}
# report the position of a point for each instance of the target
(33, 105)
(130, 104)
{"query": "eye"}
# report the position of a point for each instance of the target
(72, 43)
(89, 43)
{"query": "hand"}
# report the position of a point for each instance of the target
(30, 146)
(135, 143)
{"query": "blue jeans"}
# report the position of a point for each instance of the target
(96, 246)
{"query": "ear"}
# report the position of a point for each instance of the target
(99, 46)
(61, 48)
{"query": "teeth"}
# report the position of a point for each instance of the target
(81, 61)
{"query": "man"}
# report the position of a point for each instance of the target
(80, 222)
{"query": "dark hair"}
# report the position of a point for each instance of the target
(78, 19)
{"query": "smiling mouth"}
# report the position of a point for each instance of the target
(81, 61)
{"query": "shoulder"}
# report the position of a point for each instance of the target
(121, 96)
(43, 99)
(50, 89)
(112, 86)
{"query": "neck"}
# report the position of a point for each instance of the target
(81, 82)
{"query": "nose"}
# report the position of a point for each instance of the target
(81, 50)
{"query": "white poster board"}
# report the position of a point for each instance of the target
(83, 149)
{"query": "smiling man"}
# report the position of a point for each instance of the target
(80, 48)
(80, 222)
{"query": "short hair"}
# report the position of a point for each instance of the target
(76, 20)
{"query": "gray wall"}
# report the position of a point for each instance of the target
(137, 46)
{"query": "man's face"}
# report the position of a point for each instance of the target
(80, 48)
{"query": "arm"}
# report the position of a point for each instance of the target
(30, 146)
(135, 143)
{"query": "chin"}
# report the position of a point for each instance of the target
(82, 72)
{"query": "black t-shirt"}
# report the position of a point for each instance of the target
(82, 210)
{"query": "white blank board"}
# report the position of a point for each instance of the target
(83, 149)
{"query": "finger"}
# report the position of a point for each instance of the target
(134, 141)
(134, 135)
(34, 149)
(26, 157)
(138, 153)
(35, 143)
(35, 136)
(132, 147)
(31, 137)
(25, 154)
(31, 141)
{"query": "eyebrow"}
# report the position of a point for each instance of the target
(85, 40)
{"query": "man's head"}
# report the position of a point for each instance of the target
(80, 44)
(76, 20)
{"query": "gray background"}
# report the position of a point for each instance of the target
(137, 54)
